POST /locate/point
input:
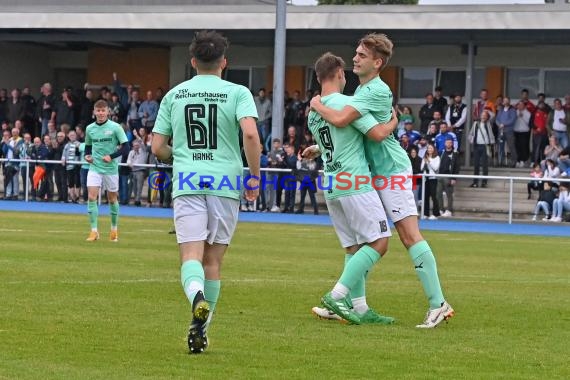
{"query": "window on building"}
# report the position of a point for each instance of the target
(416, 82)
(237, 76)
(258, 79)
(453, 81)
(556, 83)
(519, 79)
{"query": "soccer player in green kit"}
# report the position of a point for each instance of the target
(356, 211)
(101, 140)
(203, 116)
(387, 158)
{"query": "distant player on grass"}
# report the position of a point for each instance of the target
(357, 213)
(388, 159)
(101, 140)
(204, 116)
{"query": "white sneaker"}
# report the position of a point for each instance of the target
(250, 208)
(447, 214)
(243, 208)
(423, 217)
(435, 316)
(545, 219)
(534, 218)
(556, 219)
(322, 313)
(275, 209)
(432, 217)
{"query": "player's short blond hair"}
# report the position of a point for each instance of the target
(380, 45)
(327, 66)
(101, 103)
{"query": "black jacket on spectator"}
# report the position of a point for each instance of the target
(426, 116)
(16, 111)
(449, 162)
(547, 196)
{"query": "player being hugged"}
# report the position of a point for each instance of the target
(101, 140)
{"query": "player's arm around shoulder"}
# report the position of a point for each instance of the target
(338, 118)
(382, 130)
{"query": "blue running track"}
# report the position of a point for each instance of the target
(448, 225)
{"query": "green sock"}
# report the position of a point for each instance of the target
(114, 208)
(426, 269)
(192, 278)
(358, 266)
(93, 211)
(211, 294)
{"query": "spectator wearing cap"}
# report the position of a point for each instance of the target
(482, 138)
(448, 164)
(456, 116)
(404, 116)
(443, 135)
(413, 135)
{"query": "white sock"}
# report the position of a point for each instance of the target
(114, 228)
(359, 304)
(339, 291)
(94, 230)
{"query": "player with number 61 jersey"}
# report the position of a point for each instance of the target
(210, 108)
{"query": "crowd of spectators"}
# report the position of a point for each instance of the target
(53, 128)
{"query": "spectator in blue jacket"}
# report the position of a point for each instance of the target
(506, 119)
(443, 135)
(413, 135)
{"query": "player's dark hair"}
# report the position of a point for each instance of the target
(208, 47)
(327, 66)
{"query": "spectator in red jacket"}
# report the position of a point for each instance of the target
(539, 132)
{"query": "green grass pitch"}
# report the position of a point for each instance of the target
(75, 310)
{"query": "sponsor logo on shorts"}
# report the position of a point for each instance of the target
(383, 226)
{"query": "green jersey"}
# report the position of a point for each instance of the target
(342, 150)
(202, 115)
(386, 157)
(104, 139)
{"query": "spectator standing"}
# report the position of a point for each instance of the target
(483, 103)
(430, 166)
(86, 113)
(506, 119)
(46, 107)
(449, 164)
(539, 132)
(482, 138)
(416, 162)
(275, 160)
(65, 109)
(30, 112)
(16, 108)
(133, 118)
(137, 156)
(530, 107)
(558, 121)
(11, 145)
(426, 113)
(59, 170)
(290, 184)
(413, 135)
(148, 110)
(263, 106)
(46, 152)
(456, 116)
(25, 154)
(71, 153)
(3, 105)
(439, 100)
(522, 134)
(443, 135)
(306, 173)
(404, 117)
